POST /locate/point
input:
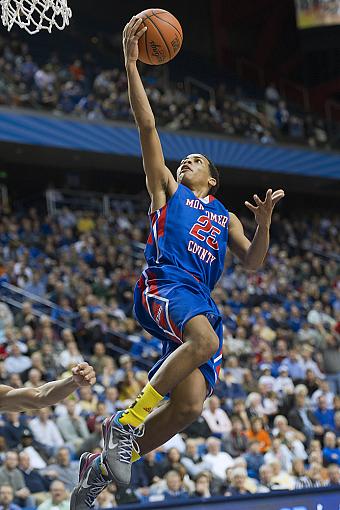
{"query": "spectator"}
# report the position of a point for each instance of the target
(7, 498)
(279, 451)
(17, 362)
(314, 473)
(111, 401)
(11, 475)
(281, 480)
(254, 458)
(6, 320)
(282, 429)
(147, 347)
(323, 414)
(236, 442)
(202, 486)
(105, 500)
(295, 366)
(171, 461)
(334, 474)
(37, 484)
(283, 385)
(271, 94)
(199, 429)
(13, 428)
(218, 461)
(94, 440)
(303, 419)
(254, 406)
(174, 487)
(216, 418)
(72, 427)
(307, 361)
(34, 378)
(70, 356)
(45, 430)
(337, 424)
(258, 433)
(331, 453)
(3, 449)
(35, 451)
(58, 499)
(64, 469)
(323, 391)
(128, 388)
(266, 379)
(282, 117)
(145, 472)
(87, 401)
(238, 479)
(192, 460)
(302, 481)
(266, 475)
(330, 351)
(99, 358)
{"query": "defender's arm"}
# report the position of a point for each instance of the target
(48, 394)
(159, 180)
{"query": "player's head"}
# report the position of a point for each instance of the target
(197, 172)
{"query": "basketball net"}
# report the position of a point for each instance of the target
(35, 15)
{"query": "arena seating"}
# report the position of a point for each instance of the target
(87, 88)
(66, 284)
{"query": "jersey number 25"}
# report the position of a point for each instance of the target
(204, 224)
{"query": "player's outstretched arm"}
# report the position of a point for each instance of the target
(49, 394)
(159, 180)
(252, 254)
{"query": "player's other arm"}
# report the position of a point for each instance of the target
(252, 253)
(48, 394)
(159, 180)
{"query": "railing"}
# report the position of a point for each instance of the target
(101, 203)
(15, 297)
(189, 82)
(322, 498)
(4, 202)
(294, 93)
(332, 112)
(290, 91)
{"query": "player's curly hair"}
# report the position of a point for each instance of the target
(214, 172)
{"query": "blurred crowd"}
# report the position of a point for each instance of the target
(274, 420)
(85, 89)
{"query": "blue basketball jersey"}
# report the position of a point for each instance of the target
(191, 234)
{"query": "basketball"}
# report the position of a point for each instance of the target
(163, 38)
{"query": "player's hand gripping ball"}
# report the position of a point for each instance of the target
(163, 38)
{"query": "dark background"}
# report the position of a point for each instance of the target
(244, 43)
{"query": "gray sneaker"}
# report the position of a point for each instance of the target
(91, 483)
(119, 441)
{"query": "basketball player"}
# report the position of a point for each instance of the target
(185, 252)
(48, 394)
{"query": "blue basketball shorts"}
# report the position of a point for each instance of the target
(164, 301)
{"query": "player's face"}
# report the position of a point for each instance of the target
(194, 172)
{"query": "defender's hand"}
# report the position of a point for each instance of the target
(84, 374)
(131, 34)
(263, 211)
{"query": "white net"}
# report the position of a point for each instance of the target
(35, 15)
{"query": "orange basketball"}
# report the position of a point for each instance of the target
(162, 40)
